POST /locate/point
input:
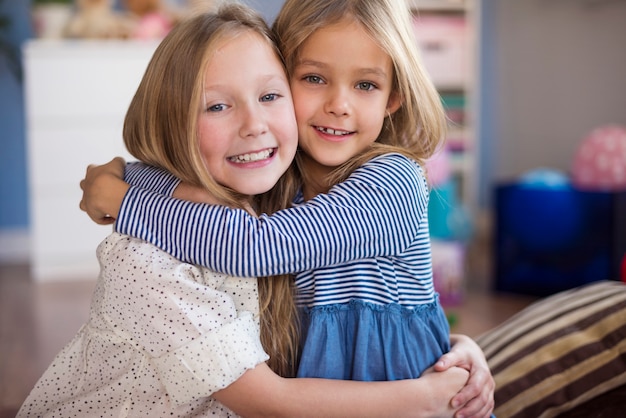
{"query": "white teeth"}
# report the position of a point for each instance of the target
(331, 131)
(251, 157)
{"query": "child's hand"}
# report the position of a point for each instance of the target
(476, 398)
(103, 190)
(442, 387)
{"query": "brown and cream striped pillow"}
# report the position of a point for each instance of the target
(560, 352)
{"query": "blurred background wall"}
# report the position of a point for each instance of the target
(549, 72)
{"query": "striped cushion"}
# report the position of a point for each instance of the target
(560, 352)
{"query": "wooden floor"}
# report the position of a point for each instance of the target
(38, 319)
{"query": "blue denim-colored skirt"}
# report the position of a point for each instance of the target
(364, 341)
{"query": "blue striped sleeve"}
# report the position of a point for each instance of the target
(151, 178)
(375, 212)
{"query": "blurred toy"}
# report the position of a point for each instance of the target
(194, 7)
(438, 168)
(544, 178)
(447, 217)
(448, 259)
(49, 18)
(152, 20)
(600, 161)
(97, 19)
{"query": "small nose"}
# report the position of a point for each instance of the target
(338, 102)
(253, 123)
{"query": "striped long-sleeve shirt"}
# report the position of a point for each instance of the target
(366, 239)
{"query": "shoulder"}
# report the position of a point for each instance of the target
(393, 163)
(392, 170)
(386, 180)
(117, 244)
(123, 255)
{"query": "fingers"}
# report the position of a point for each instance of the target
(476, 409)
(446, 361)
(91, 187)
(476, 398)
(464, 353)
(106, 220)
(120, 162)
(117, 165)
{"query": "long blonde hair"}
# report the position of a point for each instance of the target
(161, 129)
(417, 129)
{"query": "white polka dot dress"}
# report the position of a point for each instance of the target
(162, 336)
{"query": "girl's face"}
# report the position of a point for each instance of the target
(341, 88)
(247, 129)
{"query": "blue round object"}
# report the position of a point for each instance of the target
(545, 178)
(542, 218)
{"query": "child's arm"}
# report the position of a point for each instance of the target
(476, 399)
(259, 392)
(378, 211)
(104, 187)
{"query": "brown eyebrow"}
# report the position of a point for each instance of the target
(311, 63)
(266, 78)
(365, 71)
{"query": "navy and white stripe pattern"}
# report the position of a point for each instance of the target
(366, 239)
(151, 178)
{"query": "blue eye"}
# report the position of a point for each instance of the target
(216, 108)
(269, 97)
(314, 79)
(366, 85)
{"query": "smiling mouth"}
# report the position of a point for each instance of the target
(252, 156)
(331, 131)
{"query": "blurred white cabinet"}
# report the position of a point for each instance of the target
(76, 97)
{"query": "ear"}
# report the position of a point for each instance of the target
(394, 102)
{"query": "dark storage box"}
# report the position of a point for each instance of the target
(549, 240)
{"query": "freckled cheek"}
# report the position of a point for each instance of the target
(204, 132)
(284, 127)
(304, 106)
(204, 141)
(374, 116)
(212, 143)
(291, 128)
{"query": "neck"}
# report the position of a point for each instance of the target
(316, 179)
(246, 204)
